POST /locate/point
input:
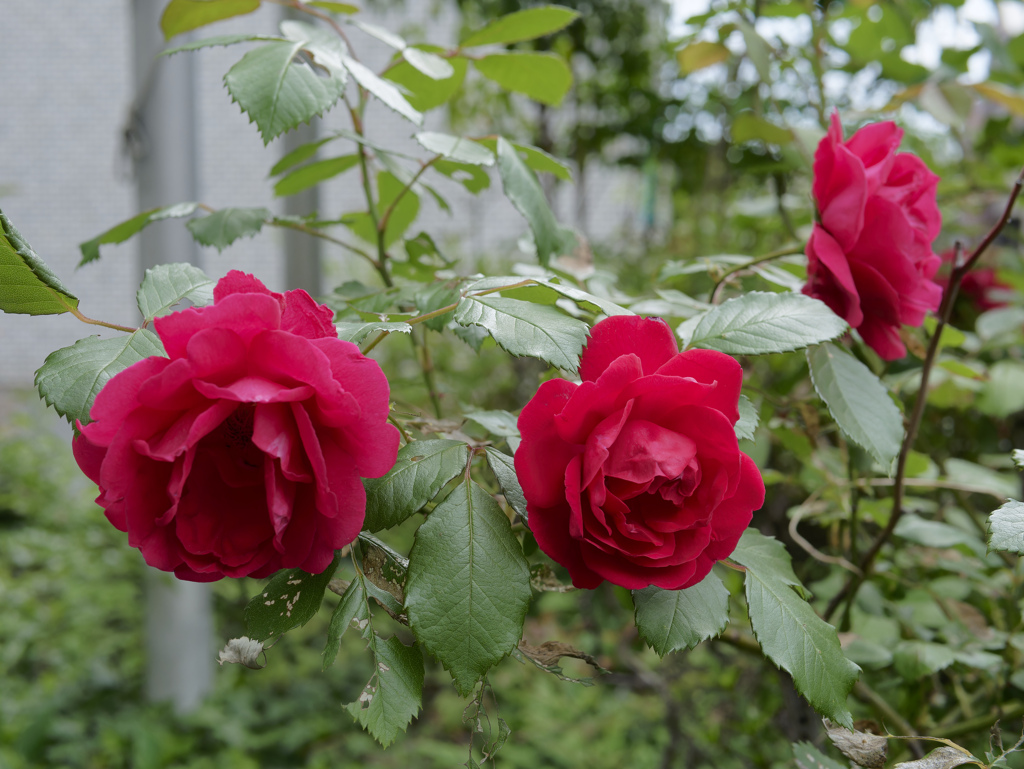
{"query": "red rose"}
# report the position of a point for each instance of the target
(241, 452)
(635, 476)
(870, 256)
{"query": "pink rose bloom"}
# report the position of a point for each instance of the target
(870, 257)
(635, 475)
(241, 452)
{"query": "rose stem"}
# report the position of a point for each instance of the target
(849, 590)
(720, 283)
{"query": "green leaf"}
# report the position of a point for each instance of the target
(522, 25)
(790, 633)
(496, 422)
(430, 64)
(299, 155)
(433, 296)
(523, 328)
(1005, 97)
(807, 756)
(219, 40)
(670, 620)
(358, 332)
(757, 49)
(70, 377)
(544, 77)
(749, 418)
(167, 284)
(590, 302)
(121, 232)
(760, 322)
(278, 91)
(342, 8)
(504, 469)
(394, 693)
(314, 173)
(455, 148)
(27, 285)
(404, 214)
(917, 659)
(424, 92)
(386, 36)
(352, 604)
(525, 193)
(972, 474)
(535, 158)
(701, 54)
(291, 599)
(932, 533)
(472, 177)
(858, 401)
(468, 586)
(383, 90)
(224, 227)
(1002, 393)
(746, 126)
(184, 15)
(421, 470)
(1006, 528)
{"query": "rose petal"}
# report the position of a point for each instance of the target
(541, 468)
(650, 339)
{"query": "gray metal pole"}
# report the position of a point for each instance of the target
(179, 617)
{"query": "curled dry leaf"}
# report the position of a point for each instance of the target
(548, 653)
(544, 580)
(864, 749)
(941, 758)
(244, 651)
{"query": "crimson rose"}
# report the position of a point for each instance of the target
(635, 476)
(241, 452)
(870, 257)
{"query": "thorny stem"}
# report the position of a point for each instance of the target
(777, 254)
(396, 423)
(849, 590)
(427, 365)
(382, 226)
(382, 255)
(324, 236)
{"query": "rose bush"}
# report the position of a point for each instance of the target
(635, 475)
(241, 452)
(869, 256)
